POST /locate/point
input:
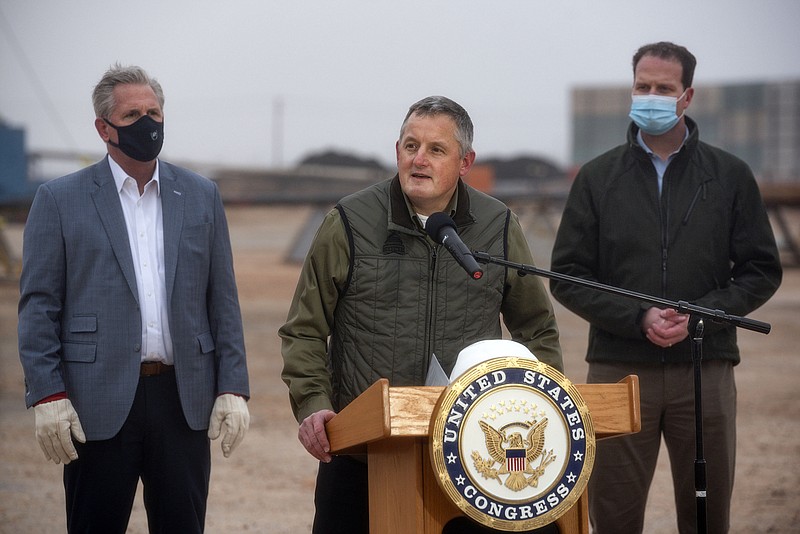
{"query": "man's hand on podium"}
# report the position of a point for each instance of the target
(313, 436)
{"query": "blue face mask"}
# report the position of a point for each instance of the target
(655, 114)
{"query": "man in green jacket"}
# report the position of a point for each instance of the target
(669, 216)
(377, 297)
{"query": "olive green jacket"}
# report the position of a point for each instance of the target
(377, 297)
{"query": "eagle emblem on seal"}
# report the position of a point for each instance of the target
(514, 454)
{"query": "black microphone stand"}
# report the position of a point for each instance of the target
(696, 316)
(699, 460)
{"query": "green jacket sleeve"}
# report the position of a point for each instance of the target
(310, 319)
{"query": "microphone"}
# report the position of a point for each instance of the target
(442, 229)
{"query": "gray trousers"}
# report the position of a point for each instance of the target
(624, 466)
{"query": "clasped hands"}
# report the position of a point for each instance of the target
(665, 327)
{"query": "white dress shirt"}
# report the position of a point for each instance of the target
(146, 239)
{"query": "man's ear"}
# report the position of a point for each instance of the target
(102, 129)
(688, 98)
(466, 163)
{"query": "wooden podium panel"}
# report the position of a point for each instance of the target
(390, 425)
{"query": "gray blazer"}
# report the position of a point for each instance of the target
(80, 326)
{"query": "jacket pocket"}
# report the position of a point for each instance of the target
(206, 341)
(83, 323)
(79, 352)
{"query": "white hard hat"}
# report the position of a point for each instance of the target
(480, 351)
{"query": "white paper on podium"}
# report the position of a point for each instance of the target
(436, 375)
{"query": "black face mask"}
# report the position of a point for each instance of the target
(141, 140)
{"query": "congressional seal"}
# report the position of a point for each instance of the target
(512, 443)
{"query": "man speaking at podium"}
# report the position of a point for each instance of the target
(377, 296)
(669, 216)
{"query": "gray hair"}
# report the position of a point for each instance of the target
(103, 94)
(436, 105)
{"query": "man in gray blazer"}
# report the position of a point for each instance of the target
(130, 333)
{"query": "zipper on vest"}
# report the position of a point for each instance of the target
(429, 312)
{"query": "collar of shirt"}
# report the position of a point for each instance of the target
(658, 163)
(120, 176)
(652, 154)
(421, 220)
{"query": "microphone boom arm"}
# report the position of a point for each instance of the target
(681, 306)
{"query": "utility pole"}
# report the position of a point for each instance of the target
(277, 132)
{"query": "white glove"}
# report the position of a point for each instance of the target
(55, 421)
(230, 412)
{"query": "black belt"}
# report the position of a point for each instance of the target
(154, 368)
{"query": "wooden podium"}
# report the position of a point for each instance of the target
(390, 425)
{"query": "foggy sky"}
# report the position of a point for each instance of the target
(263, 83)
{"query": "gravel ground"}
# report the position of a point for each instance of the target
(267, 485)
